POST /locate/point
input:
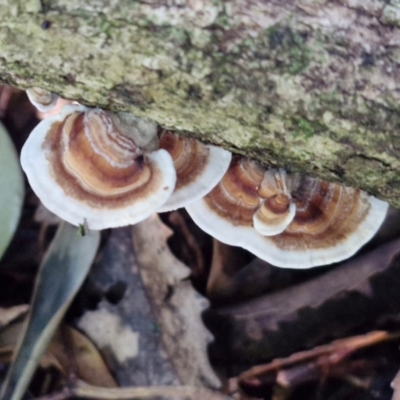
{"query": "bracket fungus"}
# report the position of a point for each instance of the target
(319, 222)
(276, 210)
(85, 167)
(199, 168)
(42, 99)
(104, 170)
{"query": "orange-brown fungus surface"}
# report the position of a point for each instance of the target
(326, 214)
(95, 163)
(235, 197)
(189, 155)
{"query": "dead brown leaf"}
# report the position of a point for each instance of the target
(69, 352)
(8, 315)
(121, 323)
(76, 354)
(175, 303)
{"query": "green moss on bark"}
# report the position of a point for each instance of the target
(270, 81)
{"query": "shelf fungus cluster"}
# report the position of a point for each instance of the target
(93, 167)
(288, 220)
(101, 169)
(42, 99)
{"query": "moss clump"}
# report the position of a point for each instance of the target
(305, 128)
(295, 55)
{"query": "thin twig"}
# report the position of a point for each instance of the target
(343, 347)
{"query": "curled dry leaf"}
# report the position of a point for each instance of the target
(77, 355)
(70, 352)
(8, 315)
(8, 339)
(176, 304)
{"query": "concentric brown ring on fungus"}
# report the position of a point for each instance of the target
(232, 203)
(85, 170)
(330, 224)
(199, 168)
(277, 209)
(42, 99)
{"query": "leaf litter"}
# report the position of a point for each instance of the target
(176, 305)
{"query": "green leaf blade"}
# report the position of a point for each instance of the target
(62, 272)
(12, 189)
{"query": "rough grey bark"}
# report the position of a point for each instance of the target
(309, 85)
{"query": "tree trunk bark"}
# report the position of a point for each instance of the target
(307, 85)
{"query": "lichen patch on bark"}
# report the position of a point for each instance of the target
(313, 86)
